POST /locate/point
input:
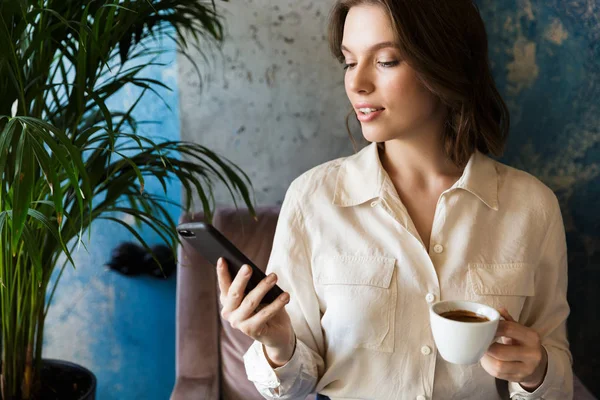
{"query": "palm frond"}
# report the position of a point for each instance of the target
(68, 158)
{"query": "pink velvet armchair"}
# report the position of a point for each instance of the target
(209, 363)
(210, 353)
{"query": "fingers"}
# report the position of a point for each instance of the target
(223, 278)
(505, 370)
(515, 370)
(506, 340)
(245, 312)
(518, 332)
(518, 356)
(253, 299)
(235, 294)
(505, 352)
(255, 325)
(505, 314)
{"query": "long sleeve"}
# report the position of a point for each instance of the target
(547, 313)
(291, 261)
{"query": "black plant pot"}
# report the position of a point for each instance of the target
(63, 380)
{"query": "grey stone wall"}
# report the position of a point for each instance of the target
(272, 100)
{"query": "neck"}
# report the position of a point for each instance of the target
(419, 160)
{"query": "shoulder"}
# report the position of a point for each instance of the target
(317, 179)
(311, 190)
(525, 191)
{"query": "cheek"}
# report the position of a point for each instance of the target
(347, 85)
(410, 95)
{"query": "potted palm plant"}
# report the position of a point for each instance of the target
(67, 160)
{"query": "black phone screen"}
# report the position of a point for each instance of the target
(212, 245)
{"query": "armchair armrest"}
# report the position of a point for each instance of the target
(195, 389)
(197, 324)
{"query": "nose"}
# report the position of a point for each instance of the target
(359, 80)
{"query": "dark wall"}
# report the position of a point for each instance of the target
(546, 61)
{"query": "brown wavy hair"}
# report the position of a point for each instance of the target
(445, 42)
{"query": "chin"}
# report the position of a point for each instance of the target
(372, 134)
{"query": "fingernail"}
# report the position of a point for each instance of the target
(285, 297)
(247, 270)
(220, 262)
(271, 278)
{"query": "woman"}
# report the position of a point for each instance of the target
(366, 243)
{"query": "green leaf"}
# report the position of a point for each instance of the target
(66, 154)
(129, 228)
(6, 138)
(22, 188)
(118, 7)
(65, 61)
(33, 252)
(51, 177)
(130, 110)
(52, 229)
(161, 228)
(124, 45)
(3, 217)
(133, 165)
(105, 112)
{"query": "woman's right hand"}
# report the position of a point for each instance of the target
(269, 325)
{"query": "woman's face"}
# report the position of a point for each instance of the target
(377, 79)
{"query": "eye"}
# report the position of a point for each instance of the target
(389, 64)
(348, 65)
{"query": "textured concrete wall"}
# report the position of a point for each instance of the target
(275, 105)
(273, 102)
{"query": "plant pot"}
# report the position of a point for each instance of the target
(63, 380)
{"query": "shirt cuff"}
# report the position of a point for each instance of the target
(261, 373)
(518, 393)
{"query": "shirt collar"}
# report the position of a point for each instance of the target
(361, 177)
(481, 179)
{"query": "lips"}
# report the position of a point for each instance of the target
(370, 115)
(369, 110)
(359, 106)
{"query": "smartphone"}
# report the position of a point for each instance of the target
(212, 245)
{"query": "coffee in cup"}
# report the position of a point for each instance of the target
(463, 330)
(464, 316)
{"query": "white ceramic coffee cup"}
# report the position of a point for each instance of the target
(463, 342)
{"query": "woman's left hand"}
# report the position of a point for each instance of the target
(519, 358)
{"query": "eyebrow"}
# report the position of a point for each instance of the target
(376, 47)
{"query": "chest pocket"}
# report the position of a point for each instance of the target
(359, 297)
(507, 285)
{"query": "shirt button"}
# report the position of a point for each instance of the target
(421, 398)
(430, 297)
(426, 350)
(438, 248)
